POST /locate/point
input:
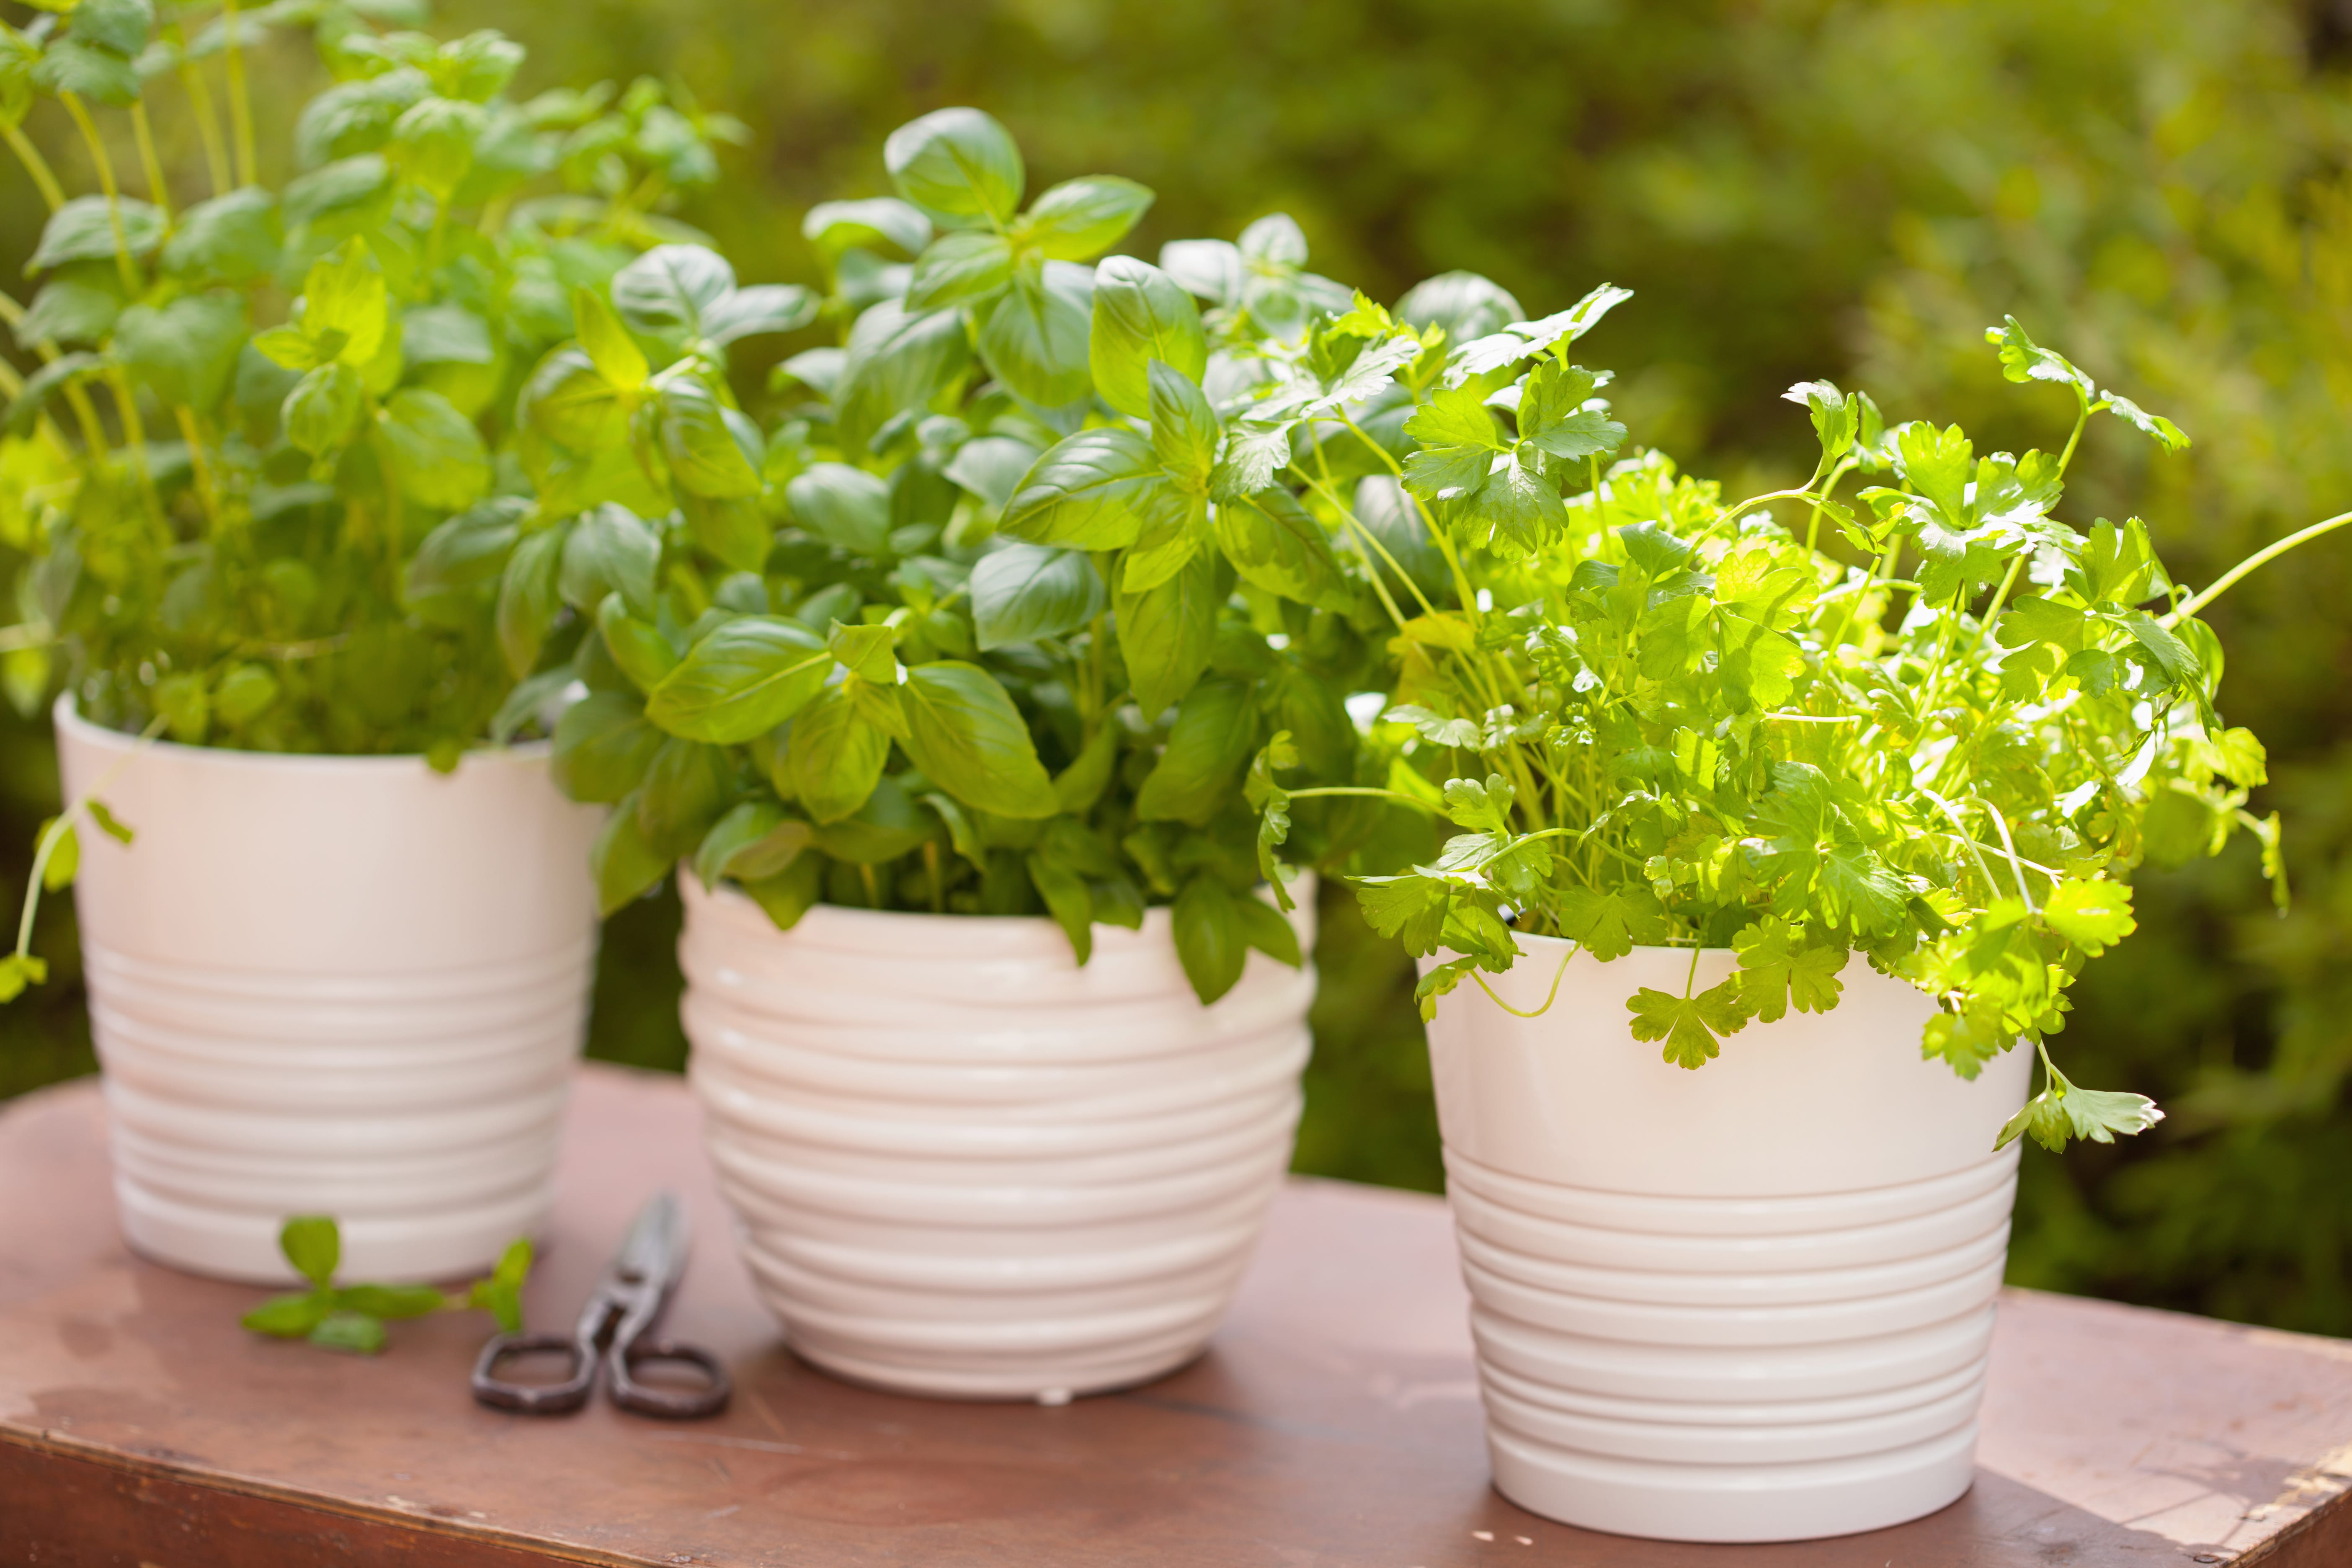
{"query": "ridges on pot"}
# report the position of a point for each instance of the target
(348, 985)
(964, 1165)
(1750, 1302)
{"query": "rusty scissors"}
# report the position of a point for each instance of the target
(613, 1329)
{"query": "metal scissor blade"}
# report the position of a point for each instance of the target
(655, 1252)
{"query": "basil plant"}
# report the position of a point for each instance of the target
(223, 482)
(1654, 716)
(953, 631)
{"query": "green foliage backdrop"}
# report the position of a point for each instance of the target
(1794, 188)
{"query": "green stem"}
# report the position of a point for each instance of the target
(77, 806)
(106, 182)
(1550, 998)
(200, 103)
(240, 104)
(2081, 419)
(2269, 553)
(36, 166)
(158, 190)
(1398, 795)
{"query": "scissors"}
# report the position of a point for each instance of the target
(612, 1329)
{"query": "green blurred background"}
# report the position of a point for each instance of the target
(1794, 189)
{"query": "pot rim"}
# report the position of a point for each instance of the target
(67, 716)
(1302, 890)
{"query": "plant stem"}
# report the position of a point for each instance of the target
(240, 105)
(36, 166)
(2269, 553)
(190, 433)
(200, 101)
(158, 191)
(1550, 998)
(106, 182)
(77, 806)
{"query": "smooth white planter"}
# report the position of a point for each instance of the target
(344, 985)
(964, 1166)
(1750, 1302)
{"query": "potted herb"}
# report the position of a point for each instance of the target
(263, 480)
(1838, 835)
(946, 697)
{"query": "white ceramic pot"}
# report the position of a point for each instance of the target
(1750, 1302)
(343, 985)
(964, 1166)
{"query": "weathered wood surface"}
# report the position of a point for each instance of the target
(1334, 1423)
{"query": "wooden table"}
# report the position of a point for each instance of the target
(1334, 1423)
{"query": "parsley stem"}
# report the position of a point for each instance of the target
(1550, 998)
(2269, 553)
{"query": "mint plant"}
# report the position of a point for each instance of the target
(352, 1317)
(224, 486)
(960, 630)
(1657, 717)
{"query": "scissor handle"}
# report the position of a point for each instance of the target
(627, 1354)
(534, 1398)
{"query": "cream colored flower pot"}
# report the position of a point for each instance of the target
(343, 985)
(964, 1166)
(1750, 1302)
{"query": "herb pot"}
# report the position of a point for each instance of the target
(1748, 1303)
(963, 1165)
(332, 984)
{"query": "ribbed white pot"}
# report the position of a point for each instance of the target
(964, 1166)
(1750, 1302)
(343, 985)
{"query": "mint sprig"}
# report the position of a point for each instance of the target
(352, 1317)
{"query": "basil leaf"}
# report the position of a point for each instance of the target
(435, 454)
(1035, 337)
(967, 737)
(843, 506)
(527, 599)
(834, 757)
(685, 791)
(743, 679)
(896, 360)
(622, 862)
(322, 413)
(958, 267)
(712, 451)
(879, 223)
(603, 747)
(1024, 592)
(956, 161)
(611, 550)
(668, 290)
(754, 841)
(1167, 633)
(1209, 939)
(1089, 491)
(1140, 315)
(1274, 543)
(1184, 430)
(1082, 218)
(887, 825)
(1215, 733)
(764, 307)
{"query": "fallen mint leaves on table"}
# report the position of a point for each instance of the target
(352, 1317)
